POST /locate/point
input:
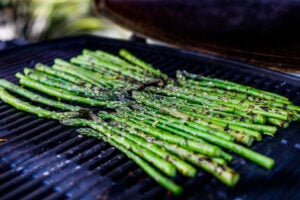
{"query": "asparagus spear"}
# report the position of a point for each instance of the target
(65, 76)
(213, 82)
(225, 112)
(94, 61)
(211, 111)
(170, 121)
(111, 58)
(24, 106)
(241, 102)
(87, 62)
(178, 132)
(182, 166)
(107, 81)
(226, 118)
(265, 129)
(112, 77)
(77, 80)
(152, 172)
(65, 95)
(114, 60)
(82, 62)
(258, 127)
(223, 173)
(256, 118)
(288, 106)
(267, 111)
(183, 82)
(70, 87)
(220, 114)
(198, 146)
(255, 157)
(158, 124)
(187, 116)
(180, 102)
(37, 98)
(151, 139)
(161, 163)
(238, 136)
(226, 127)
(242, 138)
(247, 153)
(278, 122)
(133, 59)
(79, 72)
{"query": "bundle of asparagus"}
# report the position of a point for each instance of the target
(164, 125)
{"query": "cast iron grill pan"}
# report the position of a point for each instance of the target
(45, 160)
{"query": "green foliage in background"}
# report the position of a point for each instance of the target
(36, 20)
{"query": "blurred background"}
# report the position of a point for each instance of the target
(37, 20)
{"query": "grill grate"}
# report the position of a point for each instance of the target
(43, 159)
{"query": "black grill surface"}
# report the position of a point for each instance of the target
(45, 160)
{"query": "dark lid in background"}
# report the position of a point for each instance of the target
(264, 33)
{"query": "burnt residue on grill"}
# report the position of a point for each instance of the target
(42, 159)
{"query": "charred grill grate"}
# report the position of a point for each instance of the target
(43, 159)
